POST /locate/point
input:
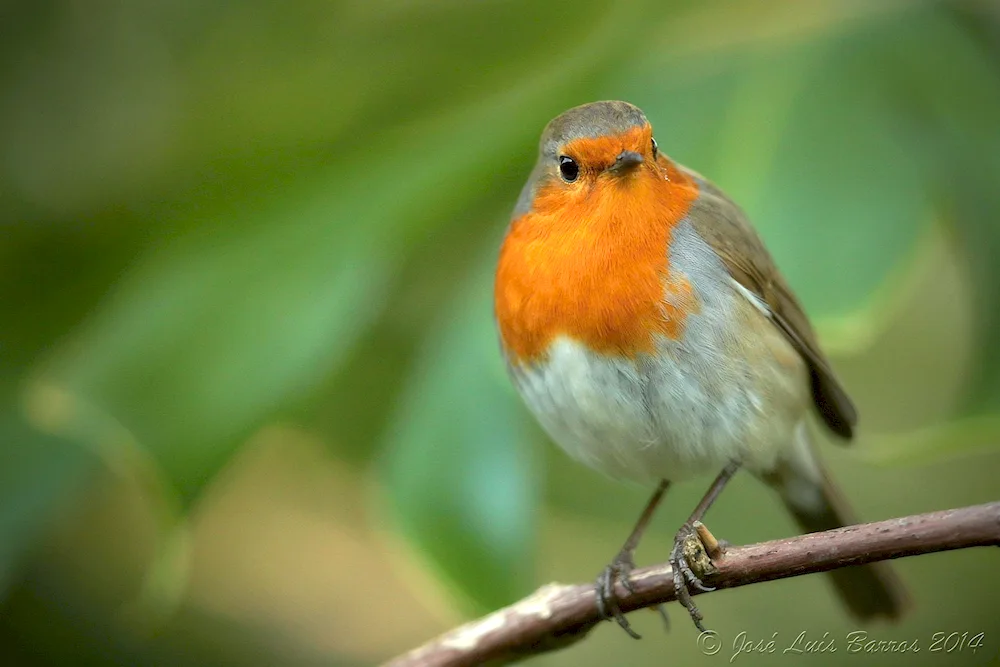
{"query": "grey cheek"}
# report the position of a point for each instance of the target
(543, 172)
(524, 199)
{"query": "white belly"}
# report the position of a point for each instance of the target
(732, 388)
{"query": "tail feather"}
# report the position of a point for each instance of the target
(868, 591)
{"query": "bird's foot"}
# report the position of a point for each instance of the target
(618, 569)
(691, 559)
(607, 599)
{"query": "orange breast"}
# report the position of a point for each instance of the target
(591, 264)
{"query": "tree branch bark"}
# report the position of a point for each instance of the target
(558, 615)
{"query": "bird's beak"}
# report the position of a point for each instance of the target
(626, 162)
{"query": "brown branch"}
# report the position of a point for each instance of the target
(558, 615)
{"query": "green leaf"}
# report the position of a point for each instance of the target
(965, 436)
(949, 99)
(953, 96)
(463, 487)
(215, 333)
(945, 99)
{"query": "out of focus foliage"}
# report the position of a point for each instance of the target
(245, 264)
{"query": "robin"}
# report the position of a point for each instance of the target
(649, 331)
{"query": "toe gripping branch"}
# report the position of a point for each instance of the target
(690, 558)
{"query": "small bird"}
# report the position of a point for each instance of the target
(649, 331)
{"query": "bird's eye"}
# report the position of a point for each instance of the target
(654, 148)
(568, 168)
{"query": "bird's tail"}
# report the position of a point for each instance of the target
(868, 591)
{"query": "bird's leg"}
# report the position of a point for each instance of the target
(688, 544)
(622, 565)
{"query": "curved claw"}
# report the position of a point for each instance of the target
(692, 578)
(684, 576)
(607, 600)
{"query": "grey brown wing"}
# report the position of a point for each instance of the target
(724, 226)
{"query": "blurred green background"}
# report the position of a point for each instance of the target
(253, 410)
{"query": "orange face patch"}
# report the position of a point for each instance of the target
(598, 153)
(589, 261)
